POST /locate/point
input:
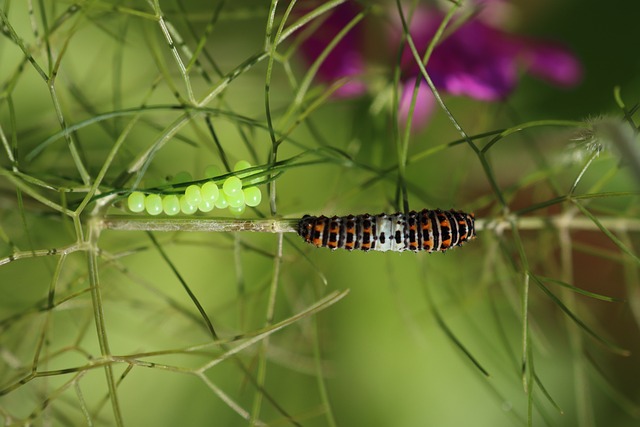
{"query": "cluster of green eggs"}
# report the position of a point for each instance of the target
(204, 197)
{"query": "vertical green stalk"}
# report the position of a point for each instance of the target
(584, 407)
(271, 304)
(403, 144)
(98, 314)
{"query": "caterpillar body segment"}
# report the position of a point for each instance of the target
(426, 231)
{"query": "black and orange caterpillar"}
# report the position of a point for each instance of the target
(427, 230)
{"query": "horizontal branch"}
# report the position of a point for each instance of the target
(130, 222)
(615, 224)
(146, 223)
(125, 222)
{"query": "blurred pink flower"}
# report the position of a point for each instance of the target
(476, 60)
(346, 59)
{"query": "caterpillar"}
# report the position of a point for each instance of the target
(427, 230)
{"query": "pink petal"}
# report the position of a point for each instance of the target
(553, 63)
(424, 106)
(482, 62)
(346, 58)
(475, 61)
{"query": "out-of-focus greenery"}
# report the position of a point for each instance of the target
(392, 351)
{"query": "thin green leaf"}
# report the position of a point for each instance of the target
(609, 234)
(608, 344)
(580, 291)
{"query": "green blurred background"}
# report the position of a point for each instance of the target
(385, 355)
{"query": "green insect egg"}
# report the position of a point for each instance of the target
(186, 207)
(236, 200)
(212, 171)
(209, 191)
(171, 204)
(256, 180)
(221, 203)
(232, 186)
(241, 165)
(193, 195)
(252, 196)
(237, 211)
(153, 204)
(182, 176)
(206, 205)
(135, 201)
